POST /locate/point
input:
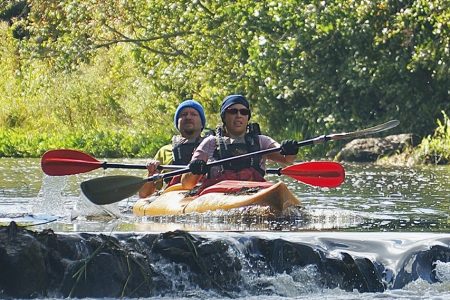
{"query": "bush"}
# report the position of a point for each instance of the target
(100, 143)
(435, 148)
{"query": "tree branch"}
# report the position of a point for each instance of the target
(139, 42)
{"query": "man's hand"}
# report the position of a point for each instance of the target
(289, 147)
(152, 166)
(198, 167)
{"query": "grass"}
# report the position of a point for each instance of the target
(435, 148)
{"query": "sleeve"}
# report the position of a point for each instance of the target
(267, 142)
(205, 150)
(164, 155)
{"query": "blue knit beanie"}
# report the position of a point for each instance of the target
(192, 104)
(231, 100)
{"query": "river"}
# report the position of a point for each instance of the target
(385, 213)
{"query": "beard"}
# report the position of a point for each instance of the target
(189, 131)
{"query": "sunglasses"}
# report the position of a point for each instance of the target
(234, 111)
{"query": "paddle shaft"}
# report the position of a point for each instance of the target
(105, 165)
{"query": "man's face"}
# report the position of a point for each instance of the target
(189, 123)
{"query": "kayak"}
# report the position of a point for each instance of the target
(225, 195)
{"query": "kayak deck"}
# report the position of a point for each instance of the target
(226, 195)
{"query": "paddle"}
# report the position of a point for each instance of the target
(69, 162)
(111, 189)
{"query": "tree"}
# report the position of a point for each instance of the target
(306, 66)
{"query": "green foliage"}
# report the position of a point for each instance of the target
(10, 9)
(311, 67)
(308, 67)
(101, 143)
(436, 148)
(106, 108)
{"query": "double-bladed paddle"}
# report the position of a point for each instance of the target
(111, 189)
(63, 162)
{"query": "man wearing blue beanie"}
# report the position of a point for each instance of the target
(189, 104)
(189, 120)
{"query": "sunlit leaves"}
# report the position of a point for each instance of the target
(306, 66)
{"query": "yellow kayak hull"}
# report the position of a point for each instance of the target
(174, 202)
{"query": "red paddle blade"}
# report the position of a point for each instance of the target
(317, 173)
(67, 162)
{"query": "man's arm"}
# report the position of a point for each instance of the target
(164, 155)
(287, 159)
(197, 166)
(189, 180)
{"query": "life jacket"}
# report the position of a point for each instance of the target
(247, 169)
(182, 153)
(226, 150)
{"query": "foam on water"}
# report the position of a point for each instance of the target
(442, 270)
(50, 199)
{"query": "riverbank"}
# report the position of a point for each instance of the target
(413, 156)
(401, 149)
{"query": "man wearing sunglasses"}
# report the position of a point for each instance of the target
(231, 140)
